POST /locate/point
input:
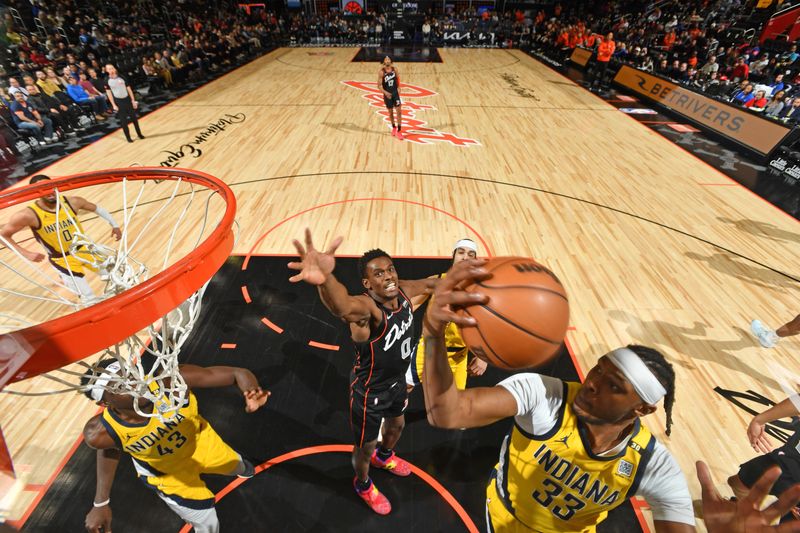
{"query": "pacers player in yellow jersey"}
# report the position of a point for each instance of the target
(457, 354)
(55, 232)
(576, 451)
(168, 456)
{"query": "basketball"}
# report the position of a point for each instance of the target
(525, 320)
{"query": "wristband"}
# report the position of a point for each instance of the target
(102, 504)
(105, 215)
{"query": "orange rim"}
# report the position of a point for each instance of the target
(77, 335)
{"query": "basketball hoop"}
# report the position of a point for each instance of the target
(145, 310)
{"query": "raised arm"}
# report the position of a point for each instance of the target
(98, 519)
(756, 430)
(223, 376)
(316, 268)
(82, 204)
(18, 222)
(418, 290)
(418, 300)
(447, 406)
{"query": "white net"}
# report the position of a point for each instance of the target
(149, 362)
(83, 265)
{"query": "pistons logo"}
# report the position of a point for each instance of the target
(414, 130)
(353, 7)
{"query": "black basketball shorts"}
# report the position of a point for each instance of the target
(753, 469)
(368, 407)
(787, 460)
(392, 102)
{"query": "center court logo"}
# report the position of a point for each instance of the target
(414, 130)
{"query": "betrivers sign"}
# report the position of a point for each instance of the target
(758, 133)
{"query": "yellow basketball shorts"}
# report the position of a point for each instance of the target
(77, 264)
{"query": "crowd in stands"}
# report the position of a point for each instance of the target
(54, 54)
(53, 70)
(485, 27)
(692, 43)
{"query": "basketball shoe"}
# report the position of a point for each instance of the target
(248, 470)
(766, 337)
(393, 464)
(373, 498)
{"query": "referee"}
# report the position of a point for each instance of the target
(121, 97)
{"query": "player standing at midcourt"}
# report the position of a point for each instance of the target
(389, 82)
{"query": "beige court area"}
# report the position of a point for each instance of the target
(624, 217)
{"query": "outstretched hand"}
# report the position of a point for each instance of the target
(758, 437)
(254, 396)
(745, 515)
(99, 520)
(314, 266)
(255, 399)
(476, 366)
(448, 296)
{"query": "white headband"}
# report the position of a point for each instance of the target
(99, 386)
(644, 382)
(466, 243)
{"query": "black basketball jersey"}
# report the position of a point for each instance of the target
(382, 360)
(390, 81)
(788, 457)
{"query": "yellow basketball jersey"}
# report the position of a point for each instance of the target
(554, 483)
(175, 452)
(164, 446)
(56, 232)
(456, 354)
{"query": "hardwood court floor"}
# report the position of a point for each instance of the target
(648, 252)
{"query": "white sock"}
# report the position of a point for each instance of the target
(241, 468)
(78, 285)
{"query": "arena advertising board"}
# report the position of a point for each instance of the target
(580, 56)
(464, 36)
(759, 134)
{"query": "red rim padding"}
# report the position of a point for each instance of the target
(80, 334)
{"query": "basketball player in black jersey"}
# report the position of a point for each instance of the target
(380, 325)
(389, 82)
